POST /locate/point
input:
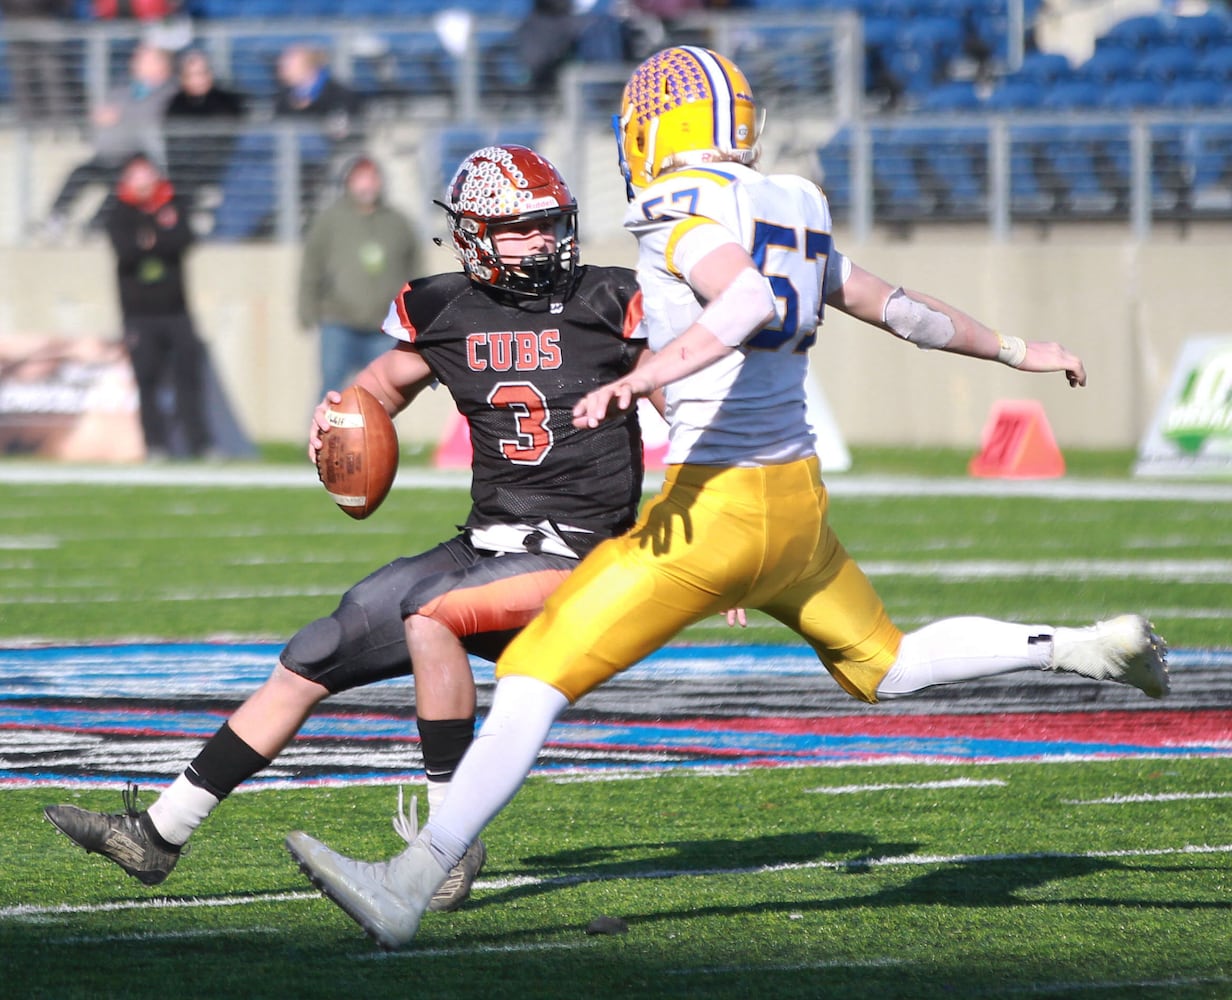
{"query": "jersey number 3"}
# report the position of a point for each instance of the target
(532, 438)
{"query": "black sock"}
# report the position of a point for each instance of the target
(223, 763)
(443, 742)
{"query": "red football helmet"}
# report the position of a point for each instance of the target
(499, 185)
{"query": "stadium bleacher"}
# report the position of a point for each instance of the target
(943, 63)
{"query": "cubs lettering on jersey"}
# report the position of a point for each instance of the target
(514, 350)
(747, 408)
(515, 367)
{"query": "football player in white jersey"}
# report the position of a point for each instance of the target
(735, 268)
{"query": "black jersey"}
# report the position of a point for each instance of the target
(515, 368)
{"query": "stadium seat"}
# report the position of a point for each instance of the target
(1013, 95)
(1191, 94)
(950, 96)
(1210, 150)
(1128, 94)
(1216, 64)
(1141, 32)
(956, 160)
(250, 183)
(413, 63)
(1108, 64)
(1167, 63)
(1203, 31)
(897, 191)
(834, 159)
(1043, 67)
(1071, 95)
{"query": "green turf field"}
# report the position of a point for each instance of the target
(1074, 879)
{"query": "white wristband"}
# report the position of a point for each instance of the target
(1013, 350)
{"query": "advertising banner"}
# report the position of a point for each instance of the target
(1191, 433)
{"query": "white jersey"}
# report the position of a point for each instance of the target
(748, 408)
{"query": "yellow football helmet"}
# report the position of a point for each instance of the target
(683, 106)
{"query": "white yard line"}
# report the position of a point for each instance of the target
(250, 475)
(1121, 800)
(955, 783)
(40, 914)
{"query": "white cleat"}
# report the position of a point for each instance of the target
(1124, 649)
(386, 898)
(456, 889)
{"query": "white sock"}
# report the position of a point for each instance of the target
(180, 810)
(964, 649)
(495, 765)
(437, 790)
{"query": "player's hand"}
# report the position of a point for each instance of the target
(599, 404)
(736, 616)
(319, 424)
(1048, 356)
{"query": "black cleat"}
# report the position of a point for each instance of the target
(128, 838)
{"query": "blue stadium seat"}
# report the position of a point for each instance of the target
(957, 161)
(1144, 31)
(1043, 67)
(1071, 95)
(950, 96)
(1167, 63)
(1203, 31)
(1013, 95)
(413, 63)
(1216, 64)
(834, 159)
(1030, 194)
(1192, 94)
(1127, 94)
(896, 189)
(1211, 156)
(249, 184)
(1108, 64)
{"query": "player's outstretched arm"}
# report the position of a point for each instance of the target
(738, 304)
(930, 323)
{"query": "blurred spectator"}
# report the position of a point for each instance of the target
(128, 122)
(357, 255)
(309, 93)
(149, 232)
(37, 63)
(308, 90)
(555, 33)
(201, 122)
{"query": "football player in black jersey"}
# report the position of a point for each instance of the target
(518, 337)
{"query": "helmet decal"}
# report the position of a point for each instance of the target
(507, 184)
(685, 105)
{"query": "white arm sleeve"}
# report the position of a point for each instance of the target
(838, 270)
(740, 310)
(914, 321)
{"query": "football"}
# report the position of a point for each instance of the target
(358, 459)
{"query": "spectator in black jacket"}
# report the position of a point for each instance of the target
(201, 126)
(149, 232)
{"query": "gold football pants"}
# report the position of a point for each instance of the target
(713, 539)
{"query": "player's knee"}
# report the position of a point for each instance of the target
(314, 648)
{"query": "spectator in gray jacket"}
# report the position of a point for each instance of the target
(128, 123)
(358, 253)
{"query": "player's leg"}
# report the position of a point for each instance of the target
(837, 609)
(476, 608)
(687, 558)
(360, 643)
